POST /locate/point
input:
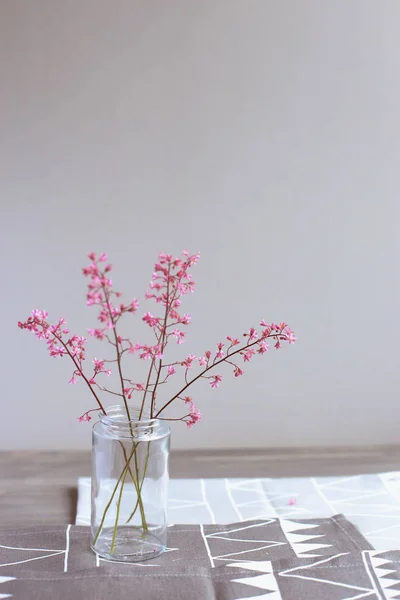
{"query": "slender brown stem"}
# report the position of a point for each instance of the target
(257, 341)
(79, 368)
(117, 349)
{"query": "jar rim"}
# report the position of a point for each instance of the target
(117, 423)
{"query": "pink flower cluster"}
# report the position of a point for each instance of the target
(194, 415)
(55, 335)
(100, 293)
(170, 283)
(59, 343)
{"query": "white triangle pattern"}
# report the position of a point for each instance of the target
(4, 579)
(266, 581)
(297, 541)
(382, 573)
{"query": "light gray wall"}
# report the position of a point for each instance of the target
(264, 133)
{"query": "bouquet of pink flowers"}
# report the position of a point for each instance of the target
(170, 282)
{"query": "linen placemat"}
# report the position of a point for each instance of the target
(274, 559)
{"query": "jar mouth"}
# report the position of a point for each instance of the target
(117, 423)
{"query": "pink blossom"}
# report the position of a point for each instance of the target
(185, 320)
(247, 354)
(72, 380)
(233, 341)
(188, 362)
(85, 417)
(262, 348)
(215, 381)
(178, 335)
(238, 372)
(134, 305)
(292, 501)
(171, 370)
(97, 333)
(193, 418)
(92, 256)
(289, 336)
(150, 320)
(220, 353)
(253, 334)
(98, 364)
(202, 361)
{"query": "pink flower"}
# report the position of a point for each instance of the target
(171, 370)
(178, 335)
(262, 348)
(134, 305)
(253, 334)
(220, 353)
(247, 354)
(215, 381)
(149, 352)
(103, 258)
(98, 364)
(233, 341)
(72, 380)
(150, 320)
(193, 418)
(92, 256)
(292, 501)
(289, 336)
(238, 372)
(188, 362)
(85, 417)
(202, 361)
(185, 320)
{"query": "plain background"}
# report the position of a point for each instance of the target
(264, 133)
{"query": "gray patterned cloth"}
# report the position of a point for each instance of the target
(273, 559)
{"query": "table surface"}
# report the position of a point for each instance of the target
(41, 487)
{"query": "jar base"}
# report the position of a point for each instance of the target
(131, 545)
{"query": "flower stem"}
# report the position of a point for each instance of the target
(118, 509)
(123, 472)
(141, 485)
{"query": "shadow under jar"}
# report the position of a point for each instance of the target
(129, 486)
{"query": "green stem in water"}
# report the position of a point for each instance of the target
(123, 473)
(141, 485)
(117, 515)
(137, 487)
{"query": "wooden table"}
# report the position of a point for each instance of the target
(40, 487)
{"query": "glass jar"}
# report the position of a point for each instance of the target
(129, 486)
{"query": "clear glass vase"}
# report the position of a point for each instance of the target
(129, 486)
